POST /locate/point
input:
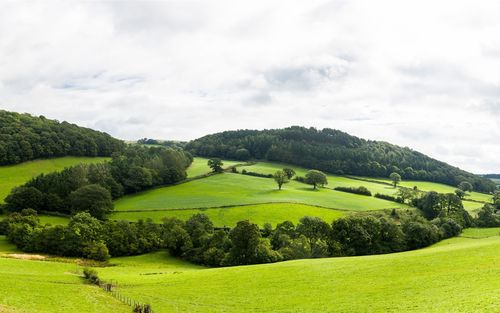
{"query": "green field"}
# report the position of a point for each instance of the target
(42, 286)
(333, 180)
(260, 214)
(455, 275)
(200, 167)
(236, 189)
(441, 188)
(15, 175)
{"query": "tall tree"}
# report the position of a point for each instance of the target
(280, 178)
(395, 178)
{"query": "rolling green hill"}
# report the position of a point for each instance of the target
(456, 275)
(333, 151)
(235, 189)
(200, 167)
(24, 137)
(16, 175)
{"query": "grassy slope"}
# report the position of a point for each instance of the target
(236, 189)
(456, 275)
(259, 213)
(441, 188)
(39, 286)
(200, 167)
(333, 180)
(15, 175)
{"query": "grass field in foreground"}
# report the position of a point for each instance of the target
(236, 189)
(260, 214)
(38, 286)
(200, 166)
(455, 275)
(15, 175)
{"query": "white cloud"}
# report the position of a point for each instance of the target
(420, 74)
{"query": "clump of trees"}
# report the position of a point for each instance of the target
(24, 137)
(335, 152)
(91, 187)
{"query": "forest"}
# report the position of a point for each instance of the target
(24, 137)
(335, 152)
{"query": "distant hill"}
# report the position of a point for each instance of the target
(333, 151)
(25, 137)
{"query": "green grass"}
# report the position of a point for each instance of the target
(456, 275)
(481, 232)
(333, 180)
(441, 188)
(200, 167)
(259, 213)
(236, 189)
(39, 286)
(15, 175)
(6, 247)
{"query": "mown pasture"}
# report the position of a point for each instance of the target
(200, 166)
(235, 189)
(15, 175)
(259, 214)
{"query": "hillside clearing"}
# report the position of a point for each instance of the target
(200, 167)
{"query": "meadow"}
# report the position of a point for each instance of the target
(15, 175)
(200, 166)
(48, 287)
(235, 189)
(455, 275)
(259, 214)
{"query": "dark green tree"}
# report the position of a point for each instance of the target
(395, 178)
(93, 199)
(289, 172)
(315, 178)
(280, 178)
(216, 165)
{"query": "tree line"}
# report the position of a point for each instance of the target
(92, 187)
(198, 241)
(24, 137)
(335, 152)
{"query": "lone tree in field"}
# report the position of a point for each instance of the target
(314, 177)
(280, 177)
(216, 165)
(396, 179)
(465, 186)
(289, 172)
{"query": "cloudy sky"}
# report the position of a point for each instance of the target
(424, 74)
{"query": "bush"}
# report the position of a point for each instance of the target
(360, 190)
(91, 275)
(96, 251)
(388, 198)
(245, 172)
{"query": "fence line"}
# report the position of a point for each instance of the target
(137, 306)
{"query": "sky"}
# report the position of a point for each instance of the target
(422, 74)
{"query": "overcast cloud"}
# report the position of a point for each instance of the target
(423, 74)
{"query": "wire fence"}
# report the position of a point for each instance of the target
(137, 306)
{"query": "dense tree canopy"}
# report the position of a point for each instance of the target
(24, 137)
(335, 152)
(90, 187)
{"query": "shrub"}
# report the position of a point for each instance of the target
(360, 190)
(388, 198)
(91, 275)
